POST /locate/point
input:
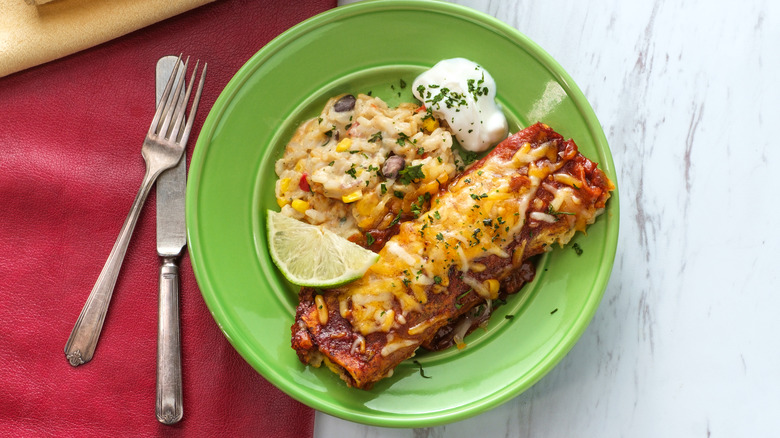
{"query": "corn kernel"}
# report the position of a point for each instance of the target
(366, 205)
(322, 309)
(492, 286)
(517, 255)
(352, 197)
(344, 145)
(477, 267)
(284, 184)
(300, 205)
(282, 202)
(430, 124)
(430, 187)
(387, 323)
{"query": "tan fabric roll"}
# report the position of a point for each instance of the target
(34, 34)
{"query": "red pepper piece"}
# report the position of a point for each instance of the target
(304, 184)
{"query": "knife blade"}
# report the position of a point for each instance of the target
(171, 185)
(171, 240)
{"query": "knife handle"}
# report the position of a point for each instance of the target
(169, 387)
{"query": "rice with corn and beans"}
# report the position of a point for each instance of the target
(363, 166)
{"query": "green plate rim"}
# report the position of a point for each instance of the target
(551, 359)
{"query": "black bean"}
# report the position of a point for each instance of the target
(346, 103)
(392, 166)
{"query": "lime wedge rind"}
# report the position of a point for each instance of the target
(310, 256)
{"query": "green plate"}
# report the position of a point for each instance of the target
(374, 46)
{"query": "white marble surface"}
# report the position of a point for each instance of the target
(686, 340)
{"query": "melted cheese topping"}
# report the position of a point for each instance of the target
(396, 344)
(477, 216)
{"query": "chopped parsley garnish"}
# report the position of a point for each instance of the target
(577, 249)
(370, 239)
(437, 279)
(352, 172)
(459, 305)
(436, 215)
(476, 89)
(422, 372)
(398, 194)
(509, 316)
(552, 211)
(383, 188)
(403, 138)
(417, 207)
(444, 96)
(411, 173)
(397, 218)
(376, 137)
(468, 157)
(475, 235)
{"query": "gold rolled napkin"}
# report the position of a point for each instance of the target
(46, 30)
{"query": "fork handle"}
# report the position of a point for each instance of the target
(169, 388)
(84, 337)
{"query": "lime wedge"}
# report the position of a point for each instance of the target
(310, 256)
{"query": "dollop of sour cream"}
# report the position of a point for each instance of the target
(462, 93)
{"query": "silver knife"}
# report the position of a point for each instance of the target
(171, 240)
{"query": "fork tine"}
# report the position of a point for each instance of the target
(182, 105)
(194, 108)
(164, 98)
(171, 104)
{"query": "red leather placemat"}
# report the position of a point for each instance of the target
(70, 165)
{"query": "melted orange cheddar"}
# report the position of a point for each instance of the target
(531, 191)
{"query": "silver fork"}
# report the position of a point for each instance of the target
(163, 148)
